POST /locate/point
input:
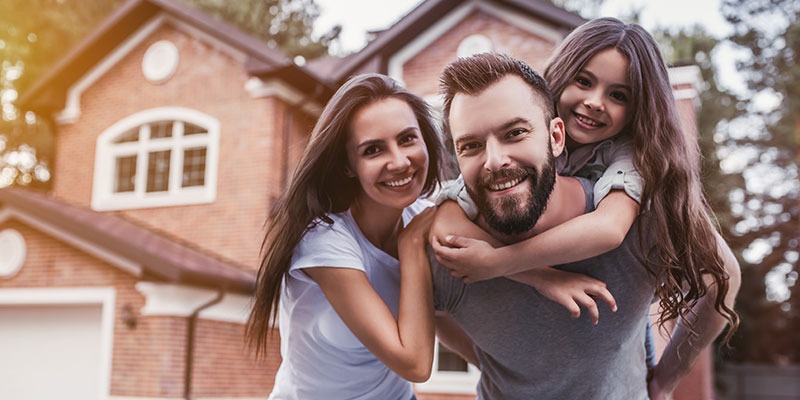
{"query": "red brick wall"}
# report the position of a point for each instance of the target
(442, 396)
(149, 359)
(421, 72)
(212, 82)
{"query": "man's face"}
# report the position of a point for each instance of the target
(504, 151)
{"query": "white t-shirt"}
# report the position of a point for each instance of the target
(322, 359)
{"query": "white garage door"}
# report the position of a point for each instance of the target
(50, 351)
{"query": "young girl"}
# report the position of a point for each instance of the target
(354, 321)
(612, 91)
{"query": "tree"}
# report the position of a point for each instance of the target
(767, 211)
(34, 34)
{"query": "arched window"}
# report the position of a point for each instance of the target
(159, 157)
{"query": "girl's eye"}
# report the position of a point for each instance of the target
(619, 96)
(583, 81)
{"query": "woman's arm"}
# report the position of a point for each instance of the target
(405, 345)
(684, 348)
(579, 238)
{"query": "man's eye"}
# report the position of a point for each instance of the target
(468, 146)
(515, 132)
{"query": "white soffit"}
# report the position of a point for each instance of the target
(169, 299)
(423, 40)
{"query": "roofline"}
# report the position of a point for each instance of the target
(230, 277)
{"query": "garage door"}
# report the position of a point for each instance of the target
(50, 351)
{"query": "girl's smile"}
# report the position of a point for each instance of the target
(595, 105)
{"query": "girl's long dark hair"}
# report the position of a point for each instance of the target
(319, 187)
(685, 245)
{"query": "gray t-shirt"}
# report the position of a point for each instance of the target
(530, 348)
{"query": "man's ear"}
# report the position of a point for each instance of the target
(557, 136)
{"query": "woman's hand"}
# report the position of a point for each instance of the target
(569, 289)
(416, 232)
(472, 260)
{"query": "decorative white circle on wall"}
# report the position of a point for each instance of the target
(12, 252)
(474, 44)
(160, 61)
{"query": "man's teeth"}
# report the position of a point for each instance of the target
(506, 185)
(587, 121)
(400, 182)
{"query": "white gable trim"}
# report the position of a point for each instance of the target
(423, 40)
(259, 88)
(72, 109)
(43, 226)
(105, 296)
(175, 300)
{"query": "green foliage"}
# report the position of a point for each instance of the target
(750, 167)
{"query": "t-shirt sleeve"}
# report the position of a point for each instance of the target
(447, 290)
(326, 246)
(620, 174)
(456, 190)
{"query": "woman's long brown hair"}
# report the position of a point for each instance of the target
(678, 215)
(319, 186)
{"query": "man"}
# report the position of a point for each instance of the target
(498, 113)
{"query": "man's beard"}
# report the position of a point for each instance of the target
(507, 215)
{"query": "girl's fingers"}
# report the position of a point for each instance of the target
(458, 241)
(603, 293)
(591, 307)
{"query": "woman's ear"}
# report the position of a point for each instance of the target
(557, 136)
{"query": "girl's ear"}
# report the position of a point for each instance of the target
(557, 135)
(349, 172)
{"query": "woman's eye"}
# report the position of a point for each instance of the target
(407, 139)
(370, 150)
(583, 81)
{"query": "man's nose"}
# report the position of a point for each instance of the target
(496, 156)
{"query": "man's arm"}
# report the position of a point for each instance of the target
(683, 348)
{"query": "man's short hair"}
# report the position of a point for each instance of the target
(473, 75)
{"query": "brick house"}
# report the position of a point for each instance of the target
(174, 134)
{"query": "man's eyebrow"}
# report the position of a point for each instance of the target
(466, 138)
(374, 141)
(506, 125)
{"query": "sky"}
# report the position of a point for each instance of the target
(360, 16)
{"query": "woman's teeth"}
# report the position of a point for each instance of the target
(401, 182)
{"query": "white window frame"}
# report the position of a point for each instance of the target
(453, 382)
(103, 196)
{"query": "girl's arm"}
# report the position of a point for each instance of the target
(405, 345)
(579, 238)
(566, 288)
(454, 338)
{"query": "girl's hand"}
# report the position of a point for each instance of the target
(416, 232)
(472, 260)
(569, 289)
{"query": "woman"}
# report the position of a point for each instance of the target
(355, 322)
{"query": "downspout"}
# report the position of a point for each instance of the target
(287, 128)
(187, 380)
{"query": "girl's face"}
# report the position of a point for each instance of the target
(387, 154)
(596, 104)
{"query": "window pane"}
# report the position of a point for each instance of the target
(158, 171)
(161, 129)
(450, 361)
(191, 129)
(126, 174)
(129, 136)
(194, 167)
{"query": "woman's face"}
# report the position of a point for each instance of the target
(387, 154)
(595, 105)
